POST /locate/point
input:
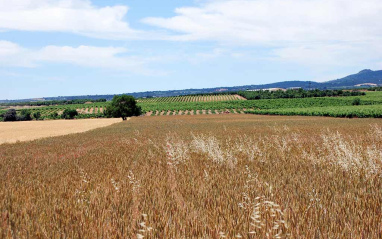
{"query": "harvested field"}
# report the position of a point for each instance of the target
(11, 132)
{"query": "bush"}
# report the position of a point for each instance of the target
(10, 115)
(25, 115)
(54, 115)
(69, 114)
(37, 115)
(356, 101)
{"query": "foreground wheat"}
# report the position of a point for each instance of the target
(198, 177)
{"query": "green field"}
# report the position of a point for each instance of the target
(370, 106)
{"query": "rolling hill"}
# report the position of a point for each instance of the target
(362, 77)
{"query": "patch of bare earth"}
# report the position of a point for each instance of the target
(149, 113)
(11, 132)
(18, 107)
(240, 97)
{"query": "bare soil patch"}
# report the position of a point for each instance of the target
(11, 132)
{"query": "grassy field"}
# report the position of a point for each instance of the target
(11, 132)
(233, 176)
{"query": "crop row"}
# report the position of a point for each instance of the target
(259, 104)
(364, 111)
(195, 112)
(192, 98)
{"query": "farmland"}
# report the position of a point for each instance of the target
(30, 130)
(193, 98)
(233, 176)
(370, 106)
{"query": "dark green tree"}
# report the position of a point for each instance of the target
(123, 106)
(10, 115)
(69, 114)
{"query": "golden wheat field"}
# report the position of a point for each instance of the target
(201, 176)
(11, 132)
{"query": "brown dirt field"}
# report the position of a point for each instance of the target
(11, 132)
(240, 97)
(24, 107)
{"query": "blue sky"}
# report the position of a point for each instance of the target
(80, 47)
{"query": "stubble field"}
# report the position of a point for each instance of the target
(11, 132)
(201, 176)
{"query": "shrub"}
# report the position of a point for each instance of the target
(25, 115)
(69, 114)
(356, 101)
(10, 115)
(37, 115)
(54, 115)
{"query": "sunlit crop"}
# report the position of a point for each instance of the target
(216, 176)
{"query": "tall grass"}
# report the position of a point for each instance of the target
(221, 176)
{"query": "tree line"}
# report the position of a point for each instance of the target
(52, 102)
(300, 93)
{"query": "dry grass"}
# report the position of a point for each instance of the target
(11, 132)
(233, 176)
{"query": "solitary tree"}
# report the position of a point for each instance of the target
(123, 106)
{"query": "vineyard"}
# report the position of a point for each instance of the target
(192, 98)
(369, 106)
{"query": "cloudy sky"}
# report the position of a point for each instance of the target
(80, 47)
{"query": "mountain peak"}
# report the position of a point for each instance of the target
(365, 71)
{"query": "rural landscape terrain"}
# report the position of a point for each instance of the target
(192, 119)
(251, 164)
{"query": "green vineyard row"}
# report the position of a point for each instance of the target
(293, 106)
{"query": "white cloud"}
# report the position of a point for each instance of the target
(75, 16)
(275, 21)
(331, 55)
(308, 32)
(114, 58)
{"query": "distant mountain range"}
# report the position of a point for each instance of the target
(361, 79)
